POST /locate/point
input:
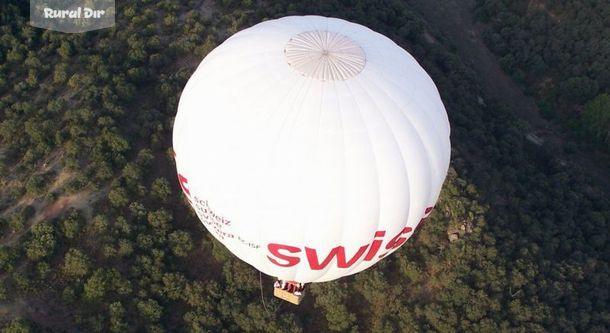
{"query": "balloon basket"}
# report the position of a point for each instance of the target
(287, 296)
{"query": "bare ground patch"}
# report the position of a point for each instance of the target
(82, 200)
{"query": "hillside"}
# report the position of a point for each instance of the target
(96, 236)
(559, 52)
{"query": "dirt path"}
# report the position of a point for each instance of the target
(52, 315)
(454, 19)
(44, 210)
(13, 309)
(83, 201)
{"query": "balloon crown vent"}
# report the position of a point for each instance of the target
(325, 55)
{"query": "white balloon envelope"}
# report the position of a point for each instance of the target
(311, 147)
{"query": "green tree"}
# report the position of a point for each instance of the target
(125, 247)
(118, 197)
(137, 210)
(8, 256)
(132, 174)
(60, 74)
(160, 189)
(17, 220)
(173, 285)
(96, 286)
(331, 298)
(117, 314)
(35, 184)
(65, 50)
(76, 263)
(160, 219)
(144, 158)
(579, 89)
(150, 310)
(595, 120)
(3, 168)
(181, 243)
(17, 326)
(42, 241)
(72, 224)
(3, 293)
(15, 55)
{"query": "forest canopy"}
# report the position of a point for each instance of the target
(559, 51)
(95, 236)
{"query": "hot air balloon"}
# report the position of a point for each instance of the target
(311, 147)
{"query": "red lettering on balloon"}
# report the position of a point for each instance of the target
(184, 185)
(397, 241)
(426, 214)
(338, 252)
(285, 255)
(375, 245)
(289, 261)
